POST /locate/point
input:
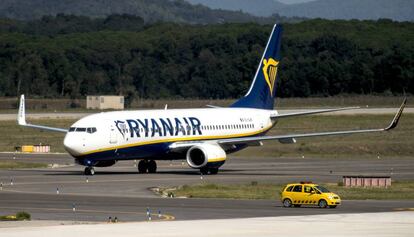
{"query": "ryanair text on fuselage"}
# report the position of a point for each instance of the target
(150, 127)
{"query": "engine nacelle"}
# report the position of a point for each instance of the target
(206, 155)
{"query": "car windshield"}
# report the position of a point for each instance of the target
(322, 189)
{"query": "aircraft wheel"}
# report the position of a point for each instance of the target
(204, 170)
(207, 171)
(152, 166)
(89, 171)
(214, 170)
(143, 166)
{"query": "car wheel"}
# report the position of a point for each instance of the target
(287, 202)
(322, 203)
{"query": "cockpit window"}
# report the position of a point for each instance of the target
(80, 129)
(71, 129)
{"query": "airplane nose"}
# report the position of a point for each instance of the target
(72, 145)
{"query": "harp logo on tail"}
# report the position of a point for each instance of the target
(270, 71)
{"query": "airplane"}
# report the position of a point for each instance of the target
(203, 137)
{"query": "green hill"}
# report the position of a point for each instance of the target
(150, 10)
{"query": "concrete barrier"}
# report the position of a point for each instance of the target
(367, 181)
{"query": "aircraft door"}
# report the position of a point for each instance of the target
(113, 135)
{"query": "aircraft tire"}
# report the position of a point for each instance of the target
(214, 170)
(143, 167)
(208, 171)
(152, 166)
(204, 171)
(89, 171)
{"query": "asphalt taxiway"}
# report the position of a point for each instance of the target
(64, 193)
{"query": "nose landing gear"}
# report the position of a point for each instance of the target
(147, 166)
(89, 170)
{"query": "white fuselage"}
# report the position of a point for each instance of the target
(123, 130)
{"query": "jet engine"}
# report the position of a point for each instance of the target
(206, 156)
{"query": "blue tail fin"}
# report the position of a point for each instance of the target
(262, 91)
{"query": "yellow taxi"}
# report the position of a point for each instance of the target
(307, 193)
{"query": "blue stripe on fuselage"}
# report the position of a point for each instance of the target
(157, 151)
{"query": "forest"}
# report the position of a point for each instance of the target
(70, 56)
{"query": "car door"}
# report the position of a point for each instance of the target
(311, 197)
(297, 194)
(113, 135)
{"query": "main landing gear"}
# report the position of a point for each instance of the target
(89, 170)
(206, 171)
(147, 166)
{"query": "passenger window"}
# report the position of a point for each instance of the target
(93, 130)
(80, 129)
(289, 189)
(308, 189)
(297, 188)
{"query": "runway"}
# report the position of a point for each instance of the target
(120, 191)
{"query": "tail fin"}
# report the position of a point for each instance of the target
(262, 91)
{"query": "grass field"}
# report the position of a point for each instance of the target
(397, 143)
(14, 135)
(285, 103)
(20, 216)
(9, 105)
(254, 190)
(20, 165)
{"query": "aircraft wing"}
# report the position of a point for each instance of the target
(21, 119)
(291, 137)
(275, 116)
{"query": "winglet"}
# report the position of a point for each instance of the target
(397, 116)
(21, 116)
